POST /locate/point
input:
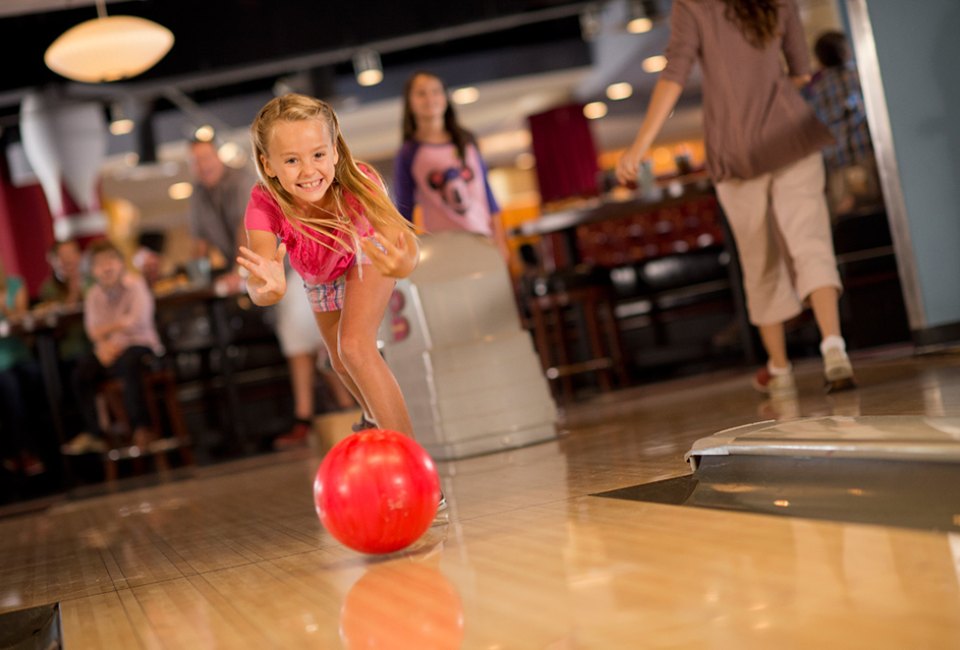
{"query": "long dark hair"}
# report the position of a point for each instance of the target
(757, 19)
(459, 135)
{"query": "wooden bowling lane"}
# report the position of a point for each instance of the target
(235, 558)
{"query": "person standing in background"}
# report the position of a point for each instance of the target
(217, 204)
(763, 146)
(836, 96)
(439, 167)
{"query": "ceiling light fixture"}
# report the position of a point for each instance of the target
(465, 95)
(120, 122)
(108, 48)
(366, 65)
(594, 110)
(204, 133)
(180, 191)
(639, 18)
(618, 91)
(655, 63)
(590, 22)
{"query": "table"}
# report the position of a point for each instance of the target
(564, 223)
(44, 330)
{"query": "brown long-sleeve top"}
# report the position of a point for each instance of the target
(755, 120)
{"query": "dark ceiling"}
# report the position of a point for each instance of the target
(232, 47)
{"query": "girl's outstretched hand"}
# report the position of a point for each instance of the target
(394, 257)
(268, 280)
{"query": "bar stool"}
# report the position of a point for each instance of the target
(576, 331)
(160, 391)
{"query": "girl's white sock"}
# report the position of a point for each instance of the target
(832, 341)
(779, 372)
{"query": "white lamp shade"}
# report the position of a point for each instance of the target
(40, 146)
(65, 143)
(108, 49)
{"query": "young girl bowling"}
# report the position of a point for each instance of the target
(345, 239)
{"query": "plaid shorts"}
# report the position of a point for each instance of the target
(328, 296)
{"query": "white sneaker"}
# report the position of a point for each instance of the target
(774, 385)
(837, 371)
(442, 517)
(83, 443)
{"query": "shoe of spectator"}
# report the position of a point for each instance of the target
(774, 385)
(83, 443)
(30, 465)
(298, 436)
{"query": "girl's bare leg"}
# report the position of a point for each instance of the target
(365, 301)
(329, 324)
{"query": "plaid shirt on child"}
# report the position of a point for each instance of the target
(838, 101)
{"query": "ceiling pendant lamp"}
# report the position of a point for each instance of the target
(108, 48)
(367, 67)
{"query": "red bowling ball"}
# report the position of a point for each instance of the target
(377, 491)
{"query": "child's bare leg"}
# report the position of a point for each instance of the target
(365, 301)
(329, 324)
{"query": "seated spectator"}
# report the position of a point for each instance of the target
(118, 317)
(21, 390)
(63, 292)
(61, 295)
(66, 286)
(149, 263)
(149, 260)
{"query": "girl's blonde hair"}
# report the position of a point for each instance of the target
(378, 208)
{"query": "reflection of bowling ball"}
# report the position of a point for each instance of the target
(402, 606)
(377, 491)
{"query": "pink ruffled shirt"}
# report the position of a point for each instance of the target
(312, 260)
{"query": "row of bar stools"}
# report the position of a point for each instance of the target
(160, 390)
(560, 319)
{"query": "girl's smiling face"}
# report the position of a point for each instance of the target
(302, 156)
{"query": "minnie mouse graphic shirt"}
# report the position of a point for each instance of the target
(452, 194)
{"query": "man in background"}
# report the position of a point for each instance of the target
(217, 206)
(836, 96)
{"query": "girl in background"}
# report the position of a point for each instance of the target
(439, 167)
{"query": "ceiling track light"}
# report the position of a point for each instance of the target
(590, 22)
(640, 15)
(367, 67)
(120, 121)
(108, 48)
